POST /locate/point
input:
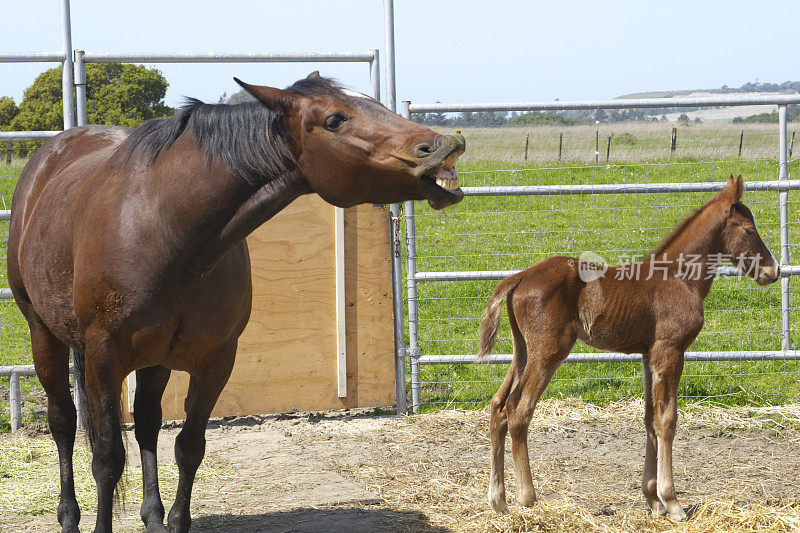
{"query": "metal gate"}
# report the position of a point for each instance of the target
(453, 258)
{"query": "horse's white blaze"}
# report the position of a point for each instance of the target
(355, 94)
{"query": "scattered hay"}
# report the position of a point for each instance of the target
(449, 488)
(29, 476)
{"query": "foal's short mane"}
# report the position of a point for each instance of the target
(682, 226)
(248, 138)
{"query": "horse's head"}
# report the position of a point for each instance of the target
(740, 238)
(353, 150)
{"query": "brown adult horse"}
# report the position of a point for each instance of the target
(127, 246)
(654, 308)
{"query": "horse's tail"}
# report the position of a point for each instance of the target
(79, 360)
(491, 322)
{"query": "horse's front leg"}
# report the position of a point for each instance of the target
(650, 472)
(666, 365)
(205, 387)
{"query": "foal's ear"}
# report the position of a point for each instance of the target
(734, 188)
(275, 99)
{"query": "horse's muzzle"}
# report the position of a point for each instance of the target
(437, 170)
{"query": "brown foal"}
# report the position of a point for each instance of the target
(653, 307)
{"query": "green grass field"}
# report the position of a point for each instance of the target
(507, 233)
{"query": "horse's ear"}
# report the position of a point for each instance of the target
(739, 187)
(733, 189)
(274, 99)
(314, 75)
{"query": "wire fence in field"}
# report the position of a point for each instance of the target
(515, 232)
(15, 344)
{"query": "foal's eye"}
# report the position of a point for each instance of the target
(750, 231)
(335, 121)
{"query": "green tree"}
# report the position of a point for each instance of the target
(124, 94)
(8, 110)
(117, 94)
(40, 108)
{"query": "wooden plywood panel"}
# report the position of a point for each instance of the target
(287, 354)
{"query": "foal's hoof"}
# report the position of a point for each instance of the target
(527, 499)
(658, 509)
(498, 504)
(678, 515)
(500, 507)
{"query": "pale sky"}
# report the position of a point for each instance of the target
(450, 51)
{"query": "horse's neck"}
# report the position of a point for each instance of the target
(219, 212)
(699, 243)
(264, 203)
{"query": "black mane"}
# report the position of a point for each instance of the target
(247, 138)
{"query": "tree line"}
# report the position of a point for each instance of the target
(567, 118)
(116, 94)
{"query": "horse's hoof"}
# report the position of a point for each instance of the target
(527, 500)
(157, 528)
(678, 515)
(70, 528)
(658, 509)
(500, 507)
(498, 504)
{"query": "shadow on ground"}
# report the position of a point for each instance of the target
(336, 520)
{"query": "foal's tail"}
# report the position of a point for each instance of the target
(491, 322)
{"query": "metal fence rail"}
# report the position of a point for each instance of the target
(443, 316)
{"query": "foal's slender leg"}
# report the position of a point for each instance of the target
(666, 364)
(498, 425)
(190, 444)
(103, 387)
(649, 474)
(543, 361)
(51, 359)
(150, 384)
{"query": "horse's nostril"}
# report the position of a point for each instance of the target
(421, 150)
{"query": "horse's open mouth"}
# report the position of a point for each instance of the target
(441, 182)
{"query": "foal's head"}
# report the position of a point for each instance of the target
(740, 239)
(353, 150)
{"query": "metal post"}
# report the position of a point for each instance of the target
(411, 289)
(388, 28)
(15, 402)
(67, 79)
(9, 148)
(394, 229)
(375, 75)
(397, 301)
(80, 87)
(560, 144)
(783, 174)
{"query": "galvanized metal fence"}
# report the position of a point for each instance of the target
(15, 357)
(512, 219)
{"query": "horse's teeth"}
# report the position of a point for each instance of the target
(448, 184)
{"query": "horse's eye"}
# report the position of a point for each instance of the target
(750, 231)
(335, 121)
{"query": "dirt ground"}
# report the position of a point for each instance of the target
(352, 472)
